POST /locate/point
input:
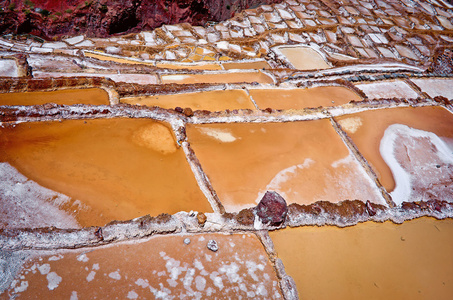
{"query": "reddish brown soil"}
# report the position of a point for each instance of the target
(100, 18)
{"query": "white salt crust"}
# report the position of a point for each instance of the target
(27, 204)
(404, 181)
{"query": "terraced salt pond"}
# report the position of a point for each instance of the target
(102, 56)
(387, 89)
(256, 65)
(207, 100)
(237, 77)
(410, 149)
(180, 267)
(304, 58)
(303, 161)
(192, 66)
(111, 169)
(94, 96)
(303, 97)
(102, 202)
(436, 86)
(370, 260)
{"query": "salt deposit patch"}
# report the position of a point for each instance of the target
(44, 269)
(436, 87)
(143, 272)
(175, 77)
(304, 57)
(132, 295)
(224, 136)
(142, 283)
(22, 287)
(351, 124)
(315, 180)
(421, 164)
(200, 283)
(74, 296)
(388, 89)
(157, 137)
(53, 280)
(91, 275)
(27, 204)
(8, 68)
(282, 177)
(115, 275)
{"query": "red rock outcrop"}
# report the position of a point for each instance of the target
(101, 18)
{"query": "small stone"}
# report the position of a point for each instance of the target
(188, 112)
(272, 209)
(187, 241)
(201, 217)
(212, 245)
(245, 217)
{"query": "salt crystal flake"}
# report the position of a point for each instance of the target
(115, 275)
(53, 280)
(44, 269)
(83, 257)
(74, 296)
(200, 283)
(23, 287)
(90, 276)
(212, 245)
(132, 295)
